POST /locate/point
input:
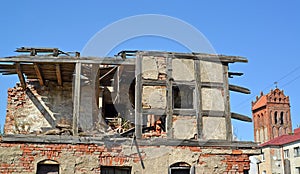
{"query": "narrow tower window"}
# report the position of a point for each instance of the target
(281, 118)
(275, 117)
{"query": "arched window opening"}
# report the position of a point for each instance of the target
(281, 118)
(47, 166)
(181, 168)
(275, 117)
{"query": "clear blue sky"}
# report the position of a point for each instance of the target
(267, 33)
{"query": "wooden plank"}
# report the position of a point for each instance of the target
(76, 99)
(187, 83)
(154, 82)
(199, 56)
(118, 61)
(185, 112)
(7, 66)
(250, 147)
(42, 50)
(138, 97)
(58, 75)
(198, 99)
(38, 73)
(164, 83)
(69, 59)
(152, 111)
(212, 85)
(181, 112)
(240, 89)
(227, 104)
(231, 74)
(212, 113)
(240, 117)
(20, 75)
(111, 70)
(169, 86)
(41, 108)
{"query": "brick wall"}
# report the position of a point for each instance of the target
(87, 158)
(30, 110)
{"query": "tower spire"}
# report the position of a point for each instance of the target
(276, 83)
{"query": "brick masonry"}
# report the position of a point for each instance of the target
(271, 115)
(31, 110)
(88, 158)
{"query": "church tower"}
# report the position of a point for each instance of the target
(271, 116)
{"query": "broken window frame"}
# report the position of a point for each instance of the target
(191, 88)
(112, 169)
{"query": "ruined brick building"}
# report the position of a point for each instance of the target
(137, 112)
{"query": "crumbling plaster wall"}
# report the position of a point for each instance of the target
(87, 158)
(30, 110)
(183, 72)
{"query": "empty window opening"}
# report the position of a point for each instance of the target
(47, 167)
(181, 168)
(246, 172)
(183, 97)
(275, 117)
(110, 110)
(115, 170)
(281, 118)
(156, 126)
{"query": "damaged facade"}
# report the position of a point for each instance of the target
(138, 112)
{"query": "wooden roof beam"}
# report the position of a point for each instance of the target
(69, 59)
(240, 117)
(20, 75)
(58, 75)
(239, 89)
(201, 56)
(231, 74)
(38, 74)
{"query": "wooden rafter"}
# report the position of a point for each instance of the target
(239, 89)
(240, 117)
(58, 74)
(38, 74)
(69, 59)
(21, 76)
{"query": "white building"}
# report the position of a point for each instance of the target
(280, 155)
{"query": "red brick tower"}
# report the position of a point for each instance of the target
(271, 116)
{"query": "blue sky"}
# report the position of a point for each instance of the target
(267, 33)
